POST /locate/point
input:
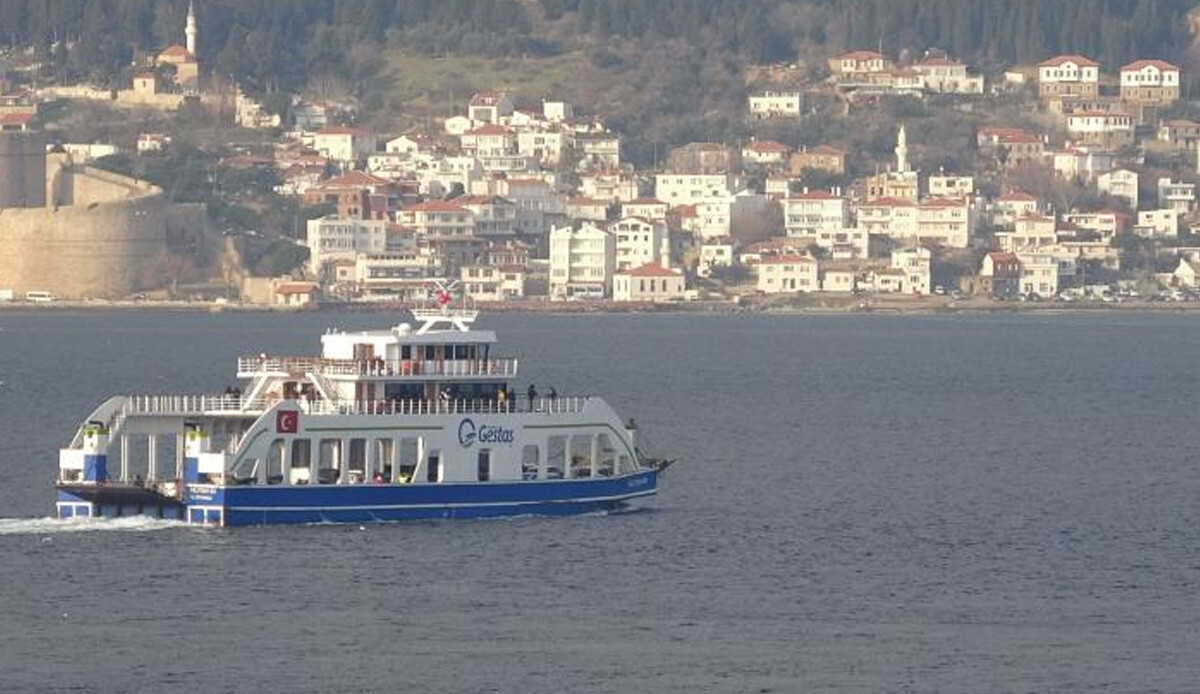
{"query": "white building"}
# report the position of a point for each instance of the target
(344, 145)
(1176, 196)
(640, 242)
(400, 276)
(648, 283)
(807, 214)
(558, 111)
(617, 187)
(1159, 224)
(780, 274)
(689, 189)
(916, 264)
(493, 282)
(946, 76)
(1039, 274)
(1068, 76)
(773, 104)
(944, 186)
(546, 147)
(582, 262)
(1122, 184)
(333, 238)
(714, 253)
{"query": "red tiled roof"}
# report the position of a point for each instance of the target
(1070, 58)
(490, 129)
(1018, 196)
(767, 146)
(649, 270)
(176, 52)
(781, 259)
(16, 118)
(1160, 64)
(435, 206)
(355, 179)
(887, 202)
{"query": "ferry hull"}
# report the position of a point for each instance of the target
(372, 503)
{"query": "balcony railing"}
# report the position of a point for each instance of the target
(379, 368)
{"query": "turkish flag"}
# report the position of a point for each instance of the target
(287, 422)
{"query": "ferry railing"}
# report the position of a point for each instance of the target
(380, 368)
(559, 405)
(196, 405)
(190, 404)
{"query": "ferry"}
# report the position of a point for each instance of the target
(415, 422)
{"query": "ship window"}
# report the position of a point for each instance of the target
(433, 469)
(301, 453)
(462, 352)
(410, 455)
(430, 352)
(328, 464)
(484, 462)
(275, 462)
(529, 463)
(608, 461)
(624, 466)
(581, 456)
(356, 459)
(385, 450)
(406, 351)
(556, 451)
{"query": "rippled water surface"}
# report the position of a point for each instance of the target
(863, 504)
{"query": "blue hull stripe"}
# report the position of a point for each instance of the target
(481, 504)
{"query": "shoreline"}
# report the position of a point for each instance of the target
(875, 305)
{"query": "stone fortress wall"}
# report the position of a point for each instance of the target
(94, 237)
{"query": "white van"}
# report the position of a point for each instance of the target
(39, 297)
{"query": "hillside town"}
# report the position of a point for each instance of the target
(1077, 183)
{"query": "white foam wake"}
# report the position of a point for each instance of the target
(54, 526)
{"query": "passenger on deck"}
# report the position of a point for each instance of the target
(553, 394)
(502, 399)
(532, 393)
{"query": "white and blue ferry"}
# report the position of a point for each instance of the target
(415, 422)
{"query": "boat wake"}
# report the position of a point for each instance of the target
(54, 526)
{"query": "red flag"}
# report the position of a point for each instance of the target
(287, 422)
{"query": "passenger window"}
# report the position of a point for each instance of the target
(433, 470)
(529, 463)
(556, 453)
(484, 465)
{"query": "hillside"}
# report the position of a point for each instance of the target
(662, 71)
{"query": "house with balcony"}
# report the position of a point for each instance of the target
(810, 212)
(1176, 195)
(640, 242)
(582, 262)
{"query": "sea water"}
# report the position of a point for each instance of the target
(861, 504)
